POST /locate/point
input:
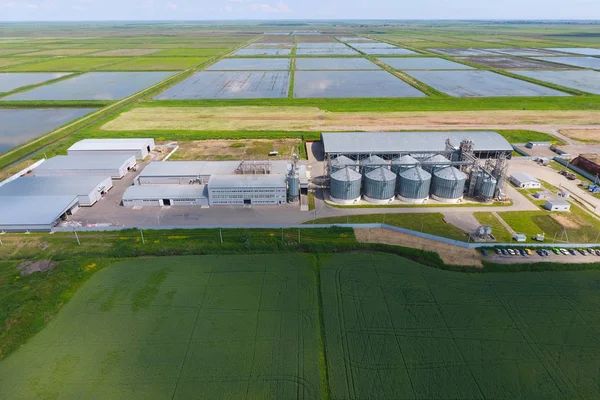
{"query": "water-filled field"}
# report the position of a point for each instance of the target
(584, 80)
(262, 52)
(463, 52)
(325, 45)
(251, 64)
(334, 51)
(230, 85)
(475, 83)
(13, 81)
(582, 62)
(387, 51)
(585, 51)
(94, 86)
(18, 126)
(339, 63)
(523, 52)
(340, 84)
(422, 63)
(507, 62)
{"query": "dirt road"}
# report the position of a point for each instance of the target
(451, 255)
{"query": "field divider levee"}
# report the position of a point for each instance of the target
(19, 153)
(292, 72)
(45, 83)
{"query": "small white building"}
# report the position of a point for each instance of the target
(113, 165)
(88, 189)
(232, 190)
(35, 213)
(165, 195)
(140, 147)
(524, 181)
(557, 205)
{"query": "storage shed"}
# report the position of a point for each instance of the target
(114, 165)
(247, 189)
(35, 213)
(140, 147)
(557, 205)
(524, 181)
(88, 189)
(171, 173)
(166, 195)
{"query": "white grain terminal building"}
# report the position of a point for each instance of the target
(88, 189)
(212, 183)
(139, 147)
(113, 165)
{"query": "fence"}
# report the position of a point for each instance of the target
(352, 226)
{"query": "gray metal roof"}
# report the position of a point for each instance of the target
(202, 168)
(437, 159)
(450, 173)
(373, 160)
(134, 144)
(243, 181)
(381, 174)
(417, 174)
(405, 160)
(33, 210)
(523, 177)
(557, 202)
(86, 162)
(394, 142)
(342, 161)
(77, 185)
(156, 192)
(346, 174)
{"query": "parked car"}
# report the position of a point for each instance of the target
(523, 252)
(556, 251)
(598, 252)
(528, 251)
(540, 252)
(573, 252)
(498, 251)
(505, 252)
(484, 252)
(511, 252)
(583, 253)
(564, 251)
(591, 251)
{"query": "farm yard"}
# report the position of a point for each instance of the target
(313, 327)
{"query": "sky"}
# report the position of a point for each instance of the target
(88, 10)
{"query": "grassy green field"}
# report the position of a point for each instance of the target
(432, 223)
(320, 326)
(498, 230)
(155, 64)
(67, 64)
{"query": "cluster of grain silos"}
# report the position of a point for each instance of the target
(408, 178)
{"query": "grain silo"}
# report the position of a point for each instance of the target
(485, 186)
(448, 185)
(401, 164)
(436, 162)
(380, 186)
(370, 163)
(293, 186)
(344, 186)
(413, 185)
(341, 162)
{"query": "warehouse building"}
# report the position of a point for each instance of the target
(113, 165)
(388, 145)
(166, 195)
(88, 189)
(140, 147)
(557, 205)
(199, 172)
(35, 213)
(524, 181)
(247, 190)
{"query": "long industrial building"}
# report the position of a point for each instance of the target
(88, 189)
(217, 183)
(113, 165)
(139, 147)
(35, 213)
(388, 145)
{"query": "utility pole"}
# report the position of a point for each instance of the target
(142, 235)
(281, 235)
(298, 236)
(76, 237)
(221, 235)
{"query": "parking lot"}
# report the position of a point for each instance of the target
(534, 257)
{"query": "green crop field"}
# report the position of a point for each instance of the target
(397, 330)
(191, 52)
(67, 64)
(154, 64)
(227, 327)
(291, 326)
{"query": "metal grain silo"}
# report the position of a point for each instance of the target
(401, 164)
(341, 162)
(413, 185)
(344, 186)
(370, 163)
(436, 162)
(485, 186)
(448, 185)
(293, 183)
(380, 186)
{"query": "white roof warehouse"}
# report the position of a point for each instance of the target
(113, 165)
(35, 213)
(140, 147)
